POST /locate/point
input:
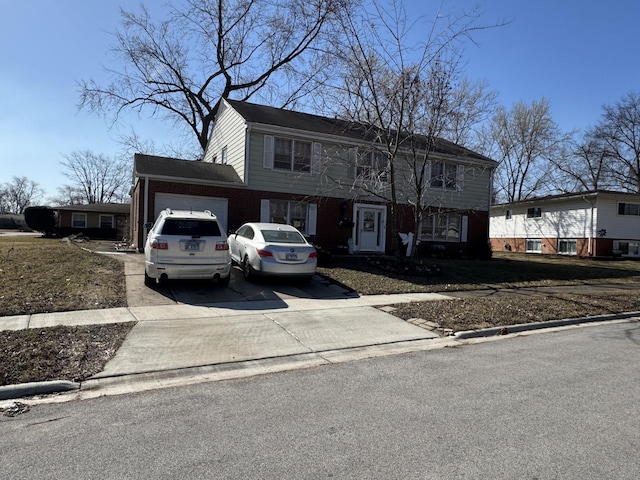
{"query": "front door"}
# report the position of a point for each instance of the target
(370, 228)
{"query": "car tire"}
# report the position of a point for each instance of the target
(148, 281)
(224, 281)
(247, 269)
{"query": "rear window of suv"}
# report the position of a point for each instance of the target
(194, 228)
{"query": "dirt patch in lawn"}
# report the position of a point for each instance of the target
(58, 353)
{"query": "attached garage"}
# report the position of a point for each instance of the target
(218, 206)
(162, 182)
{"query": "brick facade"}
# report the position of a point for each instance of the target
(333, 227)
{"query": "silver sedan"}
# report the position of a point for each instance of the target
(272, 249)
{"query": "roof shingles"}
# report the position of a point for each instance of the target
(164, 167)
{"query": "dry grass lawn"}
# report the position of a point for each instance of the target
(49, 275)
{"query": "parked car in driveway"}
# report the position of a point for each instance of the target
(186, 244)
(272, 249)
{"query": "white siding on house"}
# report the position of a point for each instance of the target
(617, 226)
(588, 216)
(561, 219)
(228, 131)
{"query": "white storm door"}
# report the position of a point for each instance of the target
(370, 227)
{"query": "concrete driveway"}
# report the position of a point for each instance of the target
(208, 293)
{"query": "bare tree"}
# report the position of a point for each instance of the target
(583, 166)
(207, 50)
(403, 93)
(18, 194)
(524, 140)
(619, 133)
(69, 195)
(96, 178)
(471, 104)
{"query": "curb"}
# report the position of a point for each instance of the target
(19, 390)
(524, 327)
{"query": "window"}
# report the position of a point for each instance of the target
(627, 247)
(187, 227)
(446, 175)
(444, 227)
(106, 221)
(534, 212)
(508, 215)
(628, 208)
(301, 215)
(292, 155)
(292, 213)
(372, 166)
(223, 155)
(534, 245)
(567, 247)
(282, 236)
(79, 220)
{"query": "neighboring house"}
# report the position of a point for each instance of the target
(274, 165)
(596, 223)
(98, 220)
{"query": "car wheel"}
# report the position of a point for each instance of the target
(148, 281)
(247, 269)
(224, 281)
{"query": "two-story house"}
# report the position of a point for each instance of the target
(327, 177)
(595, 223)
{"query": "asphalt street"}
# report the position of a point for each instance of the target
(557, 405)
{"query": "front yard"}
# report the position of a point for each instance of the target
(47, 275)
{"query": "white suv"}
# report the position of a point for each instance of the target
(185, 244)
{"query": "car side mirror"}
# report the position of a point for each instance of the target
(148, 225)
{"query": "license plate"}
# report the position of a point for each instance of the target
(191, 245)
(291, 256)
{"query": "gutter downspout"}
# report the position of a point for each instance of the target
(146, 208)
(590, 245)
(247, 139)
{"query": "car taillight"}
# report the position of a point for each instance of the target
(160, 245)
(222, 246)
(313, 255)
(264, 253)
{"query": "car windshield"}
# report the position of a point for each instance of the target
(282, 236)
(195, 228)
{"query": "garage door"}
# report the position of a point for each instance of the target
(217, 206)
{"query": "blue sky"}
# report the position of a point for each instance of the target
(580, 54)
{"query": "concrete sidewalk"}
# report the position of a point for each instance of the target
(180, 340)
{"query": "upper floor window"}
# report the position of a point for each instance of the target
(291, 155)
(223, 156)
(508, 215)
(534, 212)
(446, 175)
(628, 208)
(372, 166)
